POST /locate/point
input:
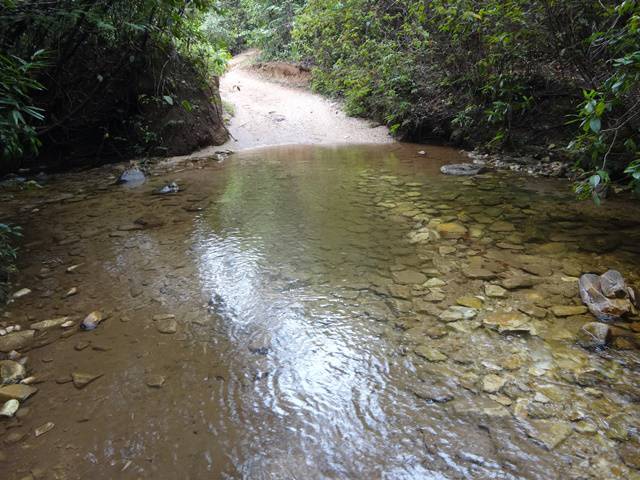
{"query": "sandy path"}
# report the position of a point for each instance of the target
(268, 113)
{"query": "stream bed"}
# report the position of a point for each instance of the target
(320, 312)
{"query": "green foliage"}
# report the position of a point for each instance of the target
(101, 55)
(8, 254)
(481, 70)
(17, 113)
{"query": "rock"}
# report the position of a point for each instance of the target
(42, 429)
(568, 310)
(511, 322)
(71, 292)
(169, 188)
(493, 383)
(436, 282)
(430, 354)
(550, 433)
(81, 380)
(149, 221)
(520, 281)
(14, 437)
(131, 177)
(81, 345)
(167, 325)
(155, 381)
(451, 230)
(478, 273)
(630, 454)
(456, 313)
(48, 324)
(470, 302)
(432, 392)
(494, 291)
(501, 227)
(11, 372)
(408, 277)
(462, 169)
(92, 320)
(612, 284)
(603, 308)
(21, 293)
(16, 340)
(9, 408)
(17, 391)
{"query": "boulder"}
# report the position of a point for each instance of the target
(462, 169)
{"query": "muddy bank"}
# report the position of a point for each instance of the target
(320, 312)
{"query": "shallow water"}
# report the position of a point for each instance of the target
(310, 342)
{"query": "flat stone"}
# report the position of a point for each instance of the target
(42, 429)
(16, 340)
(568, 310)
(501, 226)
(48, 324)
(451, 230)
(155, 381)
(494, 291)
(462, 169)
(81, 380)
(17, 391)
(11, 372)
(9, 408)
(550, 433)
(456, 313)
(509, 322)
(436, 282)
(470, 302)
(520, 281)
(478, 273)
(21, 293)
(168, 326)
(493, 383)
(594, 335)
(430, 354)
(408, 277)
(432, 392)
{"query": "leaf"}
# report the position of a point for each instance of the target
(595, 125)
(168, 99)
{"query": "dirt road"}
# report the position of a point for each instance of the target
(270, 113)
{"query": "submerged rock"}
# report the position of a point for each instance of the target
(550, 433)
(9, 408)
(607, 297)
(594, 335)
(92, 320)
(11, 372)
(430, 354)
(451, 230)
(81, 380)
(462, 169)
(131, 177)
(17, 391)
(509, 322)
(568, 310)
(169, 188)
(16, 340)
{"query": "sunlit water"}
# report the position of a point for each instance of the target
(303, 298)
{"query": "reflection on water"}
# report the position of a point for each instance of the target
(304, 251)
(348, 313)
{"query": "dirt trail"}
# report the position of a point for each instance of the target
(269, 113)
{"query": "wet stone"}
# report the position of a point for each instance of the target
(17, 391)
(470, 302)
(493, 383)
(81, 380)
(9, 408)
(551, 433)
(451, 230)
(433, 392)
(594, 335)
(430, 354)
(568, 310)
(478, 273)
(11, 372)
(409, 277)
(494, 291)
(154, 381)
(42, 429)
(630, 454)
(457, 313)
(16, 340)
(167, 326)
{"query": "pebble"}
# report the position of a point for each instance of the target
(81, 380)
(456, 313)
(9, 408)
(430, 354)
(470, 302)
(23, 292)
(167, 325)
(70, 293)
(494, 291)
(155, 381)
(493, 383)
(42, 429)
(11, 372)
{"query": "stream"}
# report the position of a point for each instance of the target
(319, 312)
